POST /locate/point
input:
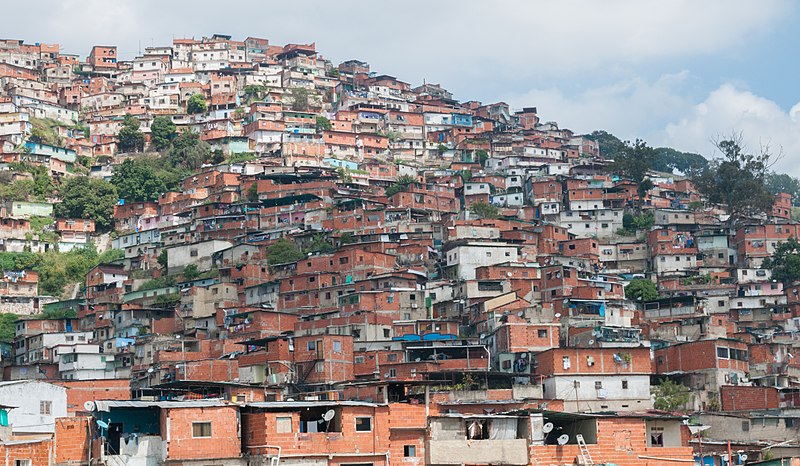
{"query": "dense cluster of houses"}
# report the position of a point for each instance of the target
(454, 293)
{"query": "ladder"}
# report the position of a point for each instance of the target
(586, 457)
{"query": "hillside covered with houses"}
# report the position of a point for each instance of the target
(233, 251)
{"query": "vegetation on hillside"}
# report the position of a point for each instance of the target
(663, 159)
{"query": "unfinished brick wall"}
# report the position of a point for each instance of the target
(739, 398)
(621, 441)
(81, 391)
(37, 451)
(72, 437)
(223, 442)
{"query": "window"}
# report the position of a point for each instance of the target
(22, 462)
(363, 424)
(409, 451)
(283, 425)
(392, 373)
(337, 346)
(201, 429)
(46, 407)
(624, 384)
(598, 385)
(392, 357)
(319, 366)
(311, 345)
(542, 333)
(657, 436)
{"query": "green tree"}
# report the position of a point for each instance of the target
(610, 145)
(670, 396)
(283, 251)
(643, 188)
(319, 244)
(401, 184)
(346, 238)
(783, 183)
(162, 130)
(481, 156)
(130, 138)
(188, 151)
(254, 91)
(83, 197)
(137, 181)
(640, 289)
(8, 327)
(190, 272)
(197, 104)
(664, 159)
(300, 99)
(695, 205)
(19, 190)
(736, 180)
(323, 124)
(252, 193)
(785, 261)
(484, 210)
(633, 161)
(163, 258)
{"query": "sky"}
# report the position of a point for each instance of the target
(678, 73)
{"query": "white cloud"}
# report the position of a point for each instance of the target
(496, 45)
(628, 108)
(729, 110)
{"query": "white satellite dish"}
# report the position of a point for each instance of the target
(89, 405)
(102, 424)
(591, 342)
(563, 439)
(547, 428)
(521, 313)
(557, 315)
(329, 414)
(743, 457)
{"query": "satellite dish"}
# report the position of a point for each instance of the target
(521, 313)
(743, 457)
(329, 414)
(591, 342)
(102, 424)
(557, 315)
(547, 428)
(563, 439)
(89, 405)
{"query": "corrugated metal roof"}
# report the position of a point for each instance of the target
(106, 405)
(310, 404)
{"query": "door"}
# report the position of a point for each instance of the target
(114, 434)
